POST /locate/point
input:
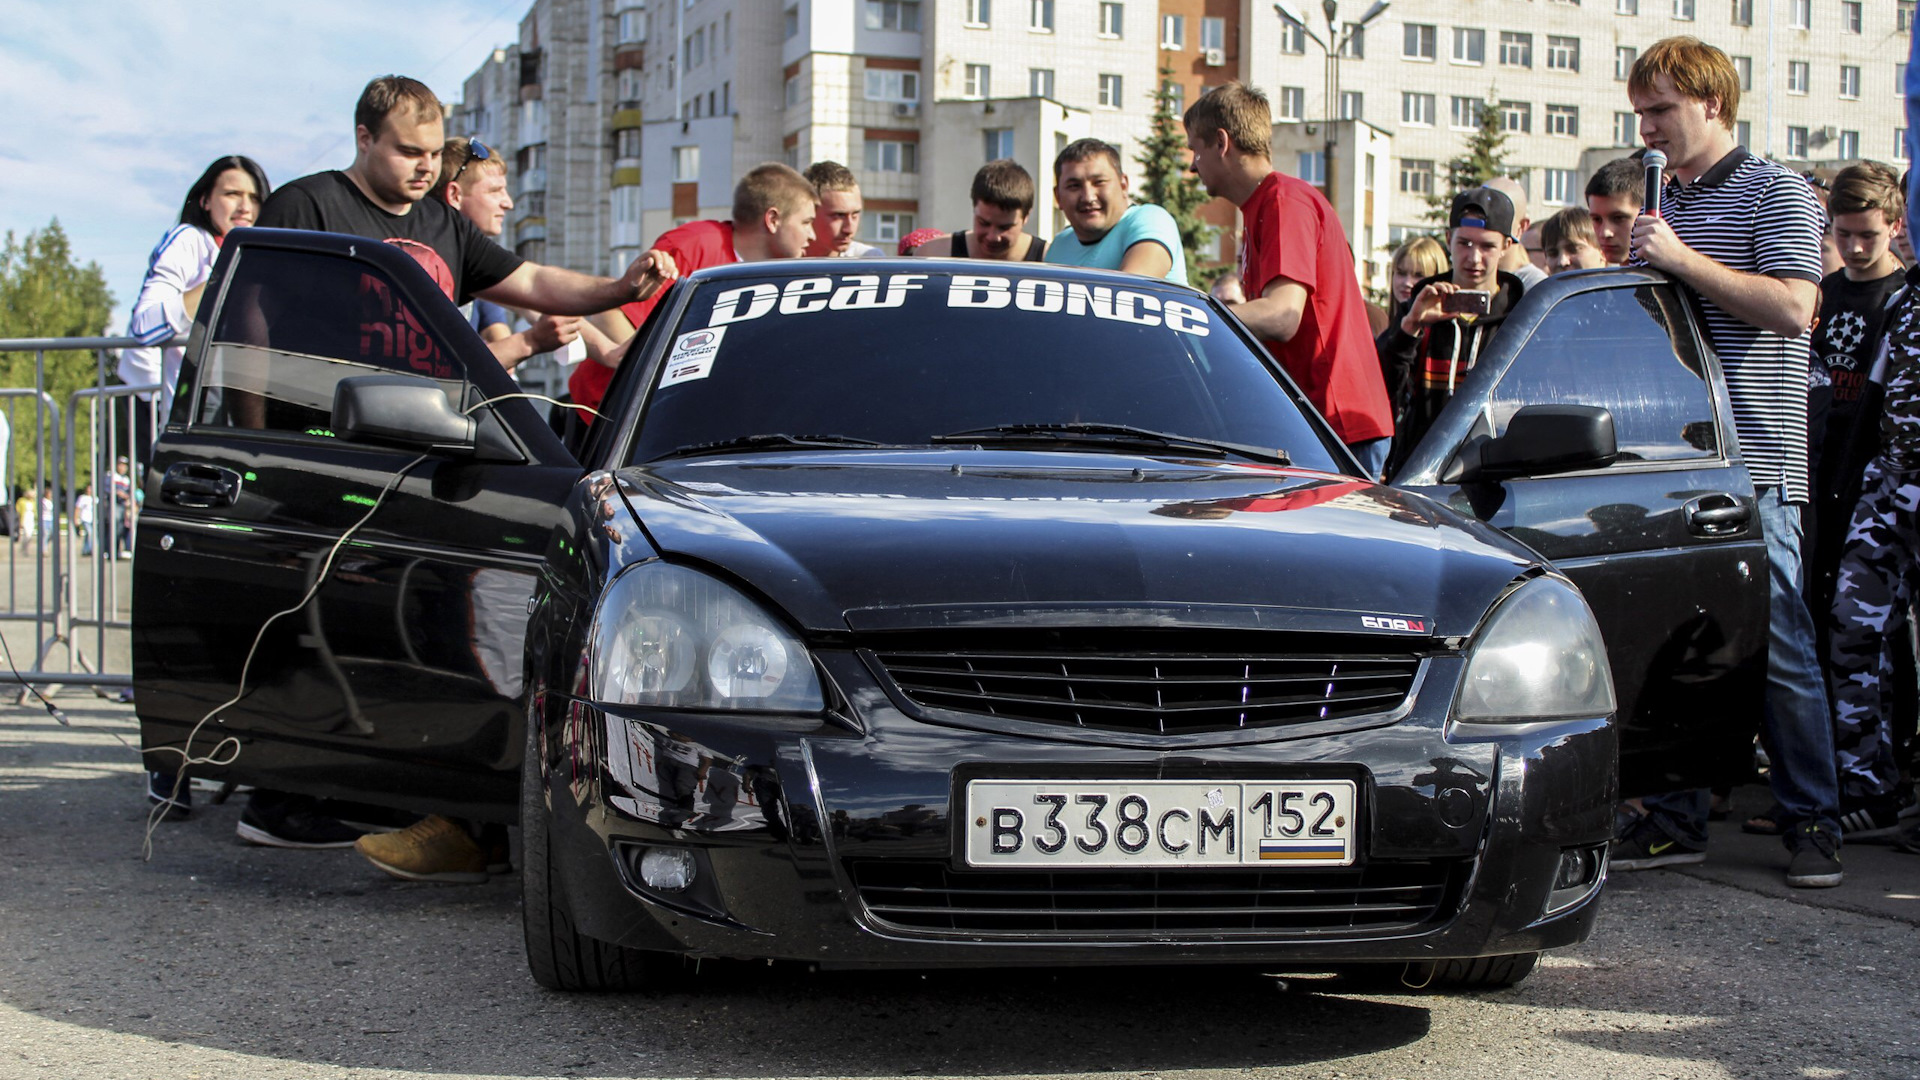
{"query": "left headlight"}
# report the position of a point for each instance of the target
(1538, 657)
(669, 636)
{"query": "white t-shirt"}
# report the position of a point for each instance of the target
(180, 263)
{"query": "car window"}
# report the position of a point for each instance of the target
(294, 323)
(1625, 349)
(903, 357)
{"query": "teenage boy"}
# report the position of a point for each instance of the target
(1744, 233)
(1439, 339)
(1002, 201)
(1567, 240)
(1614, 201)
(838, 219)
(1106, 229)
(773, 213)
(1296, 270)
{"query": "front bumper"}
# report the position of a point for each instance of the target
(802, 831)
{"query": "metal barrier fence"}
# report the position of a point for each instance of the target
(77, 593)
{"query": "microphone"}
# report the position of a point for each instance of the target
(1656, 163)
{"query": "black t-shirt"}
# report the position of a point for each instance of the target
(460, 258)
(1852, 320)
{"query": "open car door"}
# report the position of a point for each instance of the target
(400, 680)
(1664, 540)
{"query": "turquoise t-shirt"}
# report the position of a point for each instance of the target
(1144, 221)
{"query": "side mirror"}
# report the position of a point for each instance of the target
(402, 410)
(1540, 440)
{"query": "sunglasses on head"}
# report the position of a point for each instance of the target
(476, 151)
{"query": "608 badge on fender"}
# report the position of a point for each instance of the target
(1159, 823)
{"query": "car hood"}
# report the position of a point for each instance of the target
(873, 541)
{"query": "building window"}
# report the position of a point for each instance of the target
(1563, 120)
(1850, 20)
(1516, 50)
(790, 23)
(1293, 102)
(1801, 17)
(1557, 186)
(1563, 53)
(1040, 82)
(1903, 16)
(1743, 133)
(1213, 34)
(1900, 152)
(1417, 109)
(628, 85)
(1623, 58)
(1040, 15)
(1418, 43)
(1743, 12)
(1112, 19)
(633, 27)
(979, 81)
(1799, 76)
(979, 12)
(1469, 45)
(1743, 66)
(1626, 7)
(793, 91)
(1312, 167)
(888, 228)
(998, 143)
(1517, 116)
(1797, 142)
(893, 85)
(686, 164)
(1416, 177)
(1293, 39)
(893, 14)
(626, 143)
(1176, 96)
(1849, 81)
(1110, 91)
(892, 156)
(1900, 79)
(1626, 128)
(1464, 113)
(1849, 145)
(1173, 32)
(1683, 10)
(1353, 105)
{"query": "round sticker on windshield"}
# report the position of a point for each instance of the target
(692, 356)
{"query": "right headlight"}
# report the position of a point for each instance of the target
(668, 636)
(1538, 656)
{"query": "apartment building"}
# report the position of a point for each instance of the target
(625, 117)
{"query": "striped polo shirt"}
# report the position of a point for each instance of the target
(1758, 217)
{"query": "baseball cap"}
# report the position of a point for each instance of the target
(1482, 208)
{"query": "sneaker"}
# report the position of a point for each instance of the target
(1647, 847)
(1872, 818)
(1908, 841)
(161, 792)
(289, 821)
(431, 849)
(1816, 858)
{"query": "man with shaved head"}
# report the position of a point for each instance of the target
(1516, 261)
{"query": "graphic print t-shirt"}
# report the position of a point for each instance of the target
(1852, 319)
(460, 258)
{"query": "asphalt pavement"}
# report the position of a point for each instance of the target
(218, 960)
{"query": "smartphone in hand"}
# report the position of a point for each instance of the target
(1467, 302)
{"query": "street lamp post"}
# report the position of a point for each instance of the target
(1332, 46)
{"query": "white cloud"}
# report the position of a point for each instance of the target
(114, 108)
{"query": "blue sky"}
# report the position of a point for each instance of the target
(113, 107)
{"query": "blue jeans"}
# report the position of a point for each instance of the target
(1372, 454)
(1796, 727)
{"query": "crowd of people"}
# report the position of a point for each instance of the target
(1836, 495)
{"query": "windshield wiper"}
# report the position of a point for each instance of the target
(1113, 435)
(768, 440)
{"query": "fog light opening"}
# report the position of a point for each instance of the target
(669, 869)
(1579, 875)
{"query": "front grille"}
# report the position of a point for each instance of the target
(1103, 684)
(929, 895)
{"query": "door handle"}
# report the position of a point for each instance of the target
(1718, 514)
(201, 486)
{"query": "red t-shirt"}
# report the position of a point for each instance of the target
(1292, 232)
(694, 246)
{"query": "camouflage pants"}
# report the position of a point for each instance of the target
(1877, 570)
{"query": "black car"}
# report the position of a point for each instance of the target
(940, 613)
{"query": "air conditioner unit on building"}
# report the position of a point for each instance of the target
(1826, 134)
(1216, 58)
(906, 108)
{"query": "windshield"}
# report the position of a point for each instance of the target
(907, 358)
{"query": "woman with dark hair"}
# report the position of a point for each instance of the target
(227, 196)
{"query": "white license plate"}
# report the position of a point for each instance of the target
(1159, 823)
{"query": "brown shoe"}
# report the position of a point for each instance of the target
(431, 849)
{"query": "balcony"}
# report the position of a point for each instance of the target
(531, 181)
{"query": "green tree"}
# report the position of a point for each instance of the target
(1483, 157)
(44, 293)
(1166, 182)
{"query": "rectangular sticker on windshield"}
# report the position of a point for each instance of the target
(692, 356)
